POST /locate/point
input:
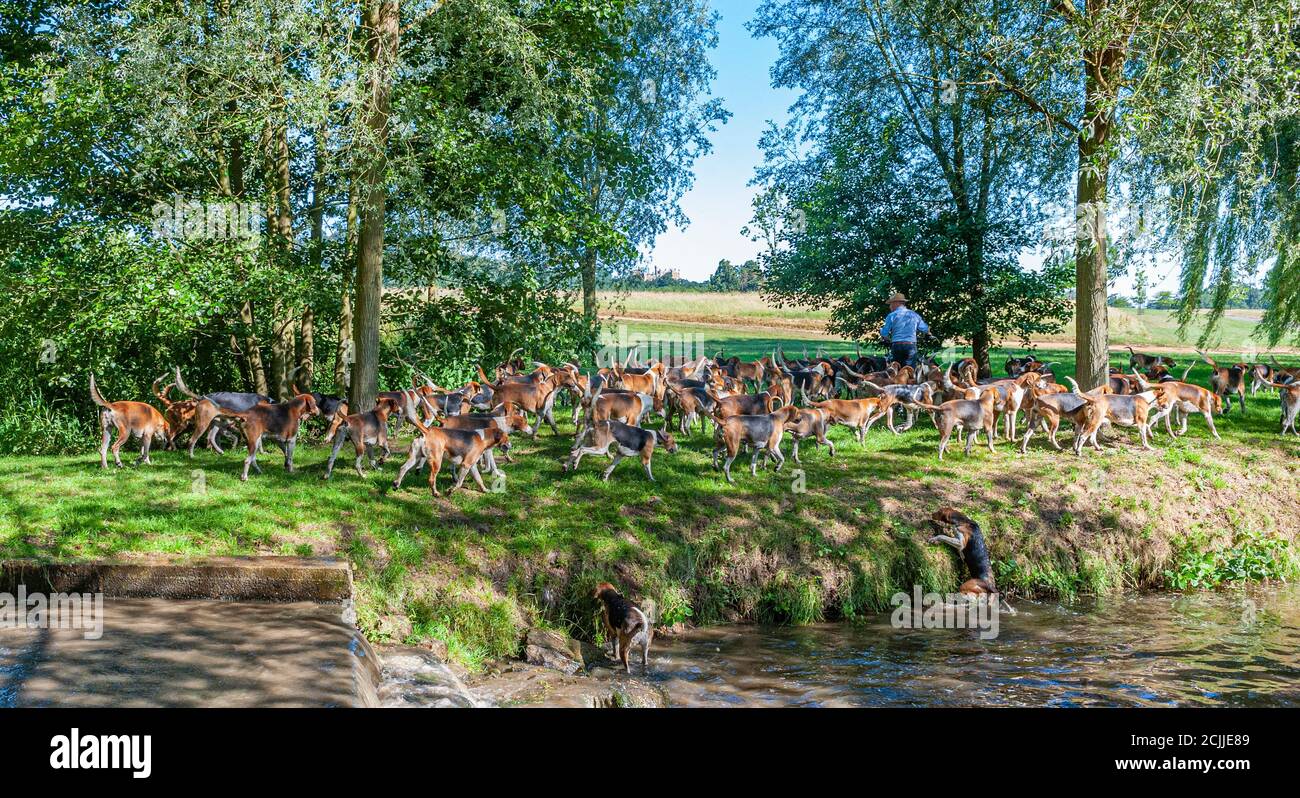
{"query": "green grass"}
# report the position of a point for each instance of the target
(475, 569)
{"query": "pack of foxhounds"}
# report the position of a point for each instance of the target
(752, 406)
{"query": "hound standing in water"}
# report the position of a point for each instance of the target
(625, 623)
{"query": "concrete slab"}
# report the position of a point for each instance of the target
(181, 653)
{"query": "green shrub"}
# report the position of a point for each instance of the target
(791, 600)
(1252, 557)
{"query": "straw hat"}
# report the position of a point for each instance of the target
(897, 297)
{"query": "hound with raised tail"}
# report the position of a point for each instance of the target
(1177, 400)
(1131, 410)
(625, 624)
(969, 415)
(464, 447)
(1290, 393)
(503, 416)
(859, 414)
(1227, 381)
(763, 433)
(810, 423)
(129, 419)
(206, 412)
(1049, 408)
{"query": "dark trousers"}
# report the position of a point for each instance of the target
(904, 352)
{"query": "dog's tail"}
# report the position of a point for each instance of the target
(1209, 360)
(94, 393)
(411, 414)
(1187, 371)
(643, 624)
(1087, 397)
(180, 383)
(162, 395)
(1074, 385)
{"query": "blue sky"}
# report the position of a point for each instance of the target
(718, 205)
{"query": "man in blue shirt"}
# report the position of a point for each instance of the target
(901, 326)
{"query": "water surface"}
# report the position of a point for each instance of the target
(1233, 648)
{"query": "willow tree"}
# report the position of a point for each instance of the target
(1124, 57)
(1226, 165)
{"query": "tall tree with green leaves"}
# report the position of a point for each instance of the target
(631, 159)
(879, 86)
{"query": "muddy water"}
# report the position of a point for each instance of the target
(1239, 648)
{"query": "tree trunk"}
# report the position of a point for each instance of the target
(252, 355)
(306, 349)
(980, 344)
(343, 354)
(383, 32)
(980, 341)
(589, 293)
(280, 221)
(283, 345)
(589, 285)
(1091, 347)
(306, 356)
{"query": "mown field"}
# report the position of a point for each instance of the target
(1151, 328)
(831, 539)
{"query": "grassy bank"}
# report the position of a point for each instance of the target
(832, 542)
